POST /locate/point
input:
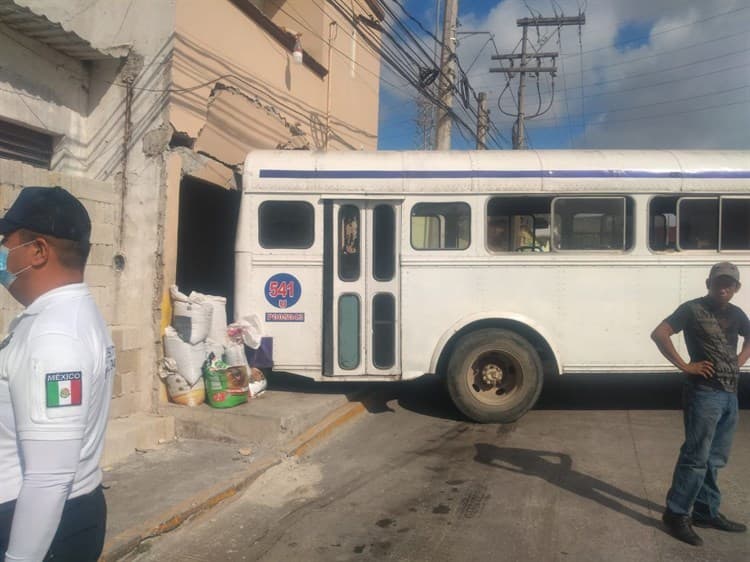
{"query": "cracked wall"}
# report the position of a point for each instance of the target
(236, 89)
(112, 123)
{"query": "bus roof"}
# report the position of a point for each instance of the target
(385, 173)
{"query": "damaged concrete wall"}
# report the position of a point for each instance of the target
(112, 118)
(45, 90)
(188, 89)
(102, 202)
(236, 88)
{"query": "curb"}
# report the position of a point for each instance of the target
(127, 541)
(324, 428)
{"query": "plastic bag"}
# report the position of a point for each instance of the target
(234, 354)
(262, 357)
(226, 386)
(258, 383)
(247, 330)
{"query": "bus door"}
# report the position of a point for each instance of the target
(361, 299)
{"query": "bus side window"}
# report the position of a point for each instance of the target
(498, 233)
(286, 224)
(440, 226)
(590, 223)
(518, 224)
(698, 223)
(735, 223)
(349, 243)
(662, 233)
(384, 243)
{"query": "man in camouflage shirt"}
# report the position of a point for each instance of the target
(711, 326)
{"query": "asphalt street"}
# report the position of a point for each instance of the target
(580, 478)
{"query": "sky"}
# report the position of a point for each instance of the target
(638, 74)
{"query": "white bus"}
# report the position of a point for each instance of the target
(488, 267)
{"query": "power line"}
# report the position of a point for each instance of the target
(672, 114)
(662, 83)
(418, 63)
(638, 38)
(441, 43)
(565, 87)
(390, 59)
(663, 52)
(671, 101)
(662, 70)
(669, 51)
(583, 93)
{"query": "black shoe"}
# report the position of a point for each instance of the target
(720, 522)
(679, 527)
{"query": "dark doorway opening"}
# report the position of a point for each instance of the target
(205, 240)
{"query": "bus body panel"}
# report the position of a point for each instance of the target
(594, 309)
(492, 316)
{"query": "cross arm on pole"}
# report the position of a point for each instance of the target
(542, 22)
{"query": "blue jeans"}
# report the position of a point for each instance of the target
(710, 418)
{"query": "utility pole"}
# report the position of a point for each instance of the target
(447, 76)
(519, 132)
(425, 122)
(483, 122)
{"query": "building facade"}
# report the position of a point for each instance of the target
(145, 109)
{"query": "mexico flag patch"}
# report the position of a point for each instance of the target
(63, 389)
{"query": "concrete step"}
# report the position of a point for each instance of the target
(289, 406)
(137, 431)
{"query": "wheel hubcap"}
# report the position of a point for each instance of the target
(492, 374)
(495, 377)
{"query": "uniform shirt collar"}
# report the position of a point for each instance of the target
(44, 300)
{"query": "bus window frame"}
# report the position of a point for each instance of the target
(649, 216)
(340, 246)
(358, 332)
(485, 224)
(441, 220)
(260, 240)
(722, 198)
(718, 223)
(623, 250)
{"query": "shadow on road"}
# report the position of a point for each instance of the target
(428, 396)
(611, 392)
(557, 468)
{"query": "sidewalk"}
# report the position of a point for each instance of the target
(217, 454)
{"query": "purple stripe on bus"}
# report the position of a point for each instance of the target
(457, 174)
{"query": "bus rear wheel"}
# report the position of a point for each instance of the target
(494, 375)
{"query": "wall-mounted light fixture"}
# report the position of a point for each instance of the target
(297, 52)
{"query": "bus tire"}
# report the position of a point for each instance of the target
(494, 375)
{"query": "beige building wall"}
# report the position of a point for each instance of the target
(109, 119)
(184, 88)
(236, 87)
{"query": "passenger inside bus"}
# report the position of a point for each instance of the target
(518, 224)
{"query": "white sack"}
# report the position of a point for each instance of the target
(214, 347)
(188, 358)
(218, 328)
(192, 320)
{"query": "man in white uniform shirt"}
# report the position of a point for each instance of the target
(56, 372)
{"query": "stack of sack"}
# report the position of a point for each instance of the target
(201, 360)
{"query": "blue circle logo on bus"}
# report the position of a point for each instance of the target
(283, 290)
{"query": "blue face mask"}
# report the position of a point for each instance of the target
(6, 277)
